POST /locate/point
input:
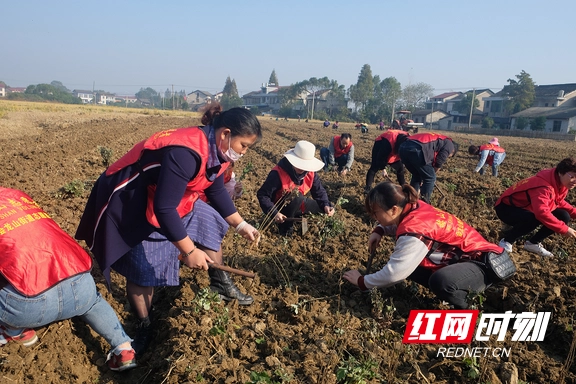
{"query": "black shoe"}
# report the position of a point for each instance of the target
(221, 283)
(144, 335)
(367, 190)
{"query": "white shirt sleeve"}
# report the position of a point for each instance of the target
(408, 254)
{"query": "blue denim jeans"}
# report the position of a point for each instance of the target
(76, 296)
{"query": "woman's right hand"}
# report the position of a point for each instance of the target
(197, 259)
(373, 241)
(279, 218)
(570, 233)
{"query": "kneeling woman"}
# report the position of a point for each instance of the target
(433, 247)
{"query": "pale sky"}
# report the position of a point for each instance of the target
(122, 46)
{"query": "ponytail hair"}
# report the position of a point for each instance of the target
(240, 121)
(386, 195)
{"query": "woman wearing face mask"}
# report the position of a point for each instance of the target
(291, 180)
(144, 212)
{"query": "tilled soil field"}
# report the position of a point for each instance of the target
(306, 324)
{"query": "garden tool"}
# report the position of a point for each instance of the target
(442, 193)
(369, 262)
(225, 268)
(302, 220)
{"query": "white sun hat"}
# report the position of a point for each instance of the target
(302, 157)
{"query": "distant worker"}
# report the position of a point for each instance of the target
(385, 152)
(339, 153)
(492, 154)
(424, 154)
(326, 123)
(335, 125)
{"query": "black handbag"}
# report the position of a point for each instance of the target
(500, 265)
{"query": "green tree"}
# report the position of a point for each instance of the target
(391, 91)
(487, 122)
(463, 106)
(522, 122)
(150, 95)
(363, 91)
(538, 123)
(312, 86)
(273, 78)
(58, 85)
(521, 93)
(230, 98)
(414, 95)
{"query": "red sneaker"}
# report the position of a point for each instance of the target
(27, 337)
(122, 361)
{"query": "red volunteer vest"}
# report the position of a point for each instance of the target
(288, 185)
(491, 147)
(444, 228)
(193, 138)
(427, 137)
(391, 136)
(518, 193)
(36, 253)
(340, 151)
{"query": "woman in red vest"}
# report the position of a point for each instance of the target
(539, 201)
(291, 179)
(340, 152)
(492, 154)
(45, 277)
(433, 248)
(385, 152)
(144, 211)
(424, 154)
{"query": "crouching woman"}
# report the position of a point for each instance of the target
(433, 248)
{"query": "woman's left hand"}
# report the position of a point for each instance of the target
(247, 231)
(352, 276)
(329, 211)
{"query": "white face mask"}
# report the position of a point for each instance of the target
(231, 154)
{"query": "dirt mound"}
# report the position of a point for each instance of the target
(306, 325)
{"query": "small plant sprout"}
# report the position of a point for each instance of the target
(472, 368)
(353, 371)
(475, 299)
(204, 300)
(75, 188)
(106, 154)
(245, 171)
(451, 187)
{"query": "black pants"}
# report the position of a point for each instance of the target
(423, 175)
(524, 222)
(380, 153)
(454, 282)
(299, 206)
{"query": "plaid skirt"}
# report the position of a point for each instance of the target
(154, 262)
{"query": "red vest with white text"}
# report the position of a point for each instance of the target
(391, 136)
(288, 185)
(444, 228)
(338, 152)
(35, 253)
(491, 147)
(193, 138)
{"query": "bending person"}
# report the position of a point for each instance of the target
(385, 152)
(433, 248)
(289, 182)
(424, 154)
(144, 211)
(45, 277)
(492, 154)
(537, 201)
